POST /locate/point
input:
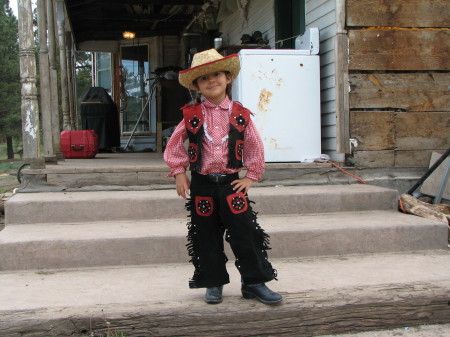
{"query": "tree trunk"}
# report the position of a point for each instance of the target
(9, 147)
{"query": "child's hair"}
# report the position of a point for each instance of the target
(198, 97)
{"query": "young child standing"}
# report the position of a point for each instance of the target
(222, 140)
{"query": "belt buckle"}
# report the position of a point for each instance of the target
(217, 178)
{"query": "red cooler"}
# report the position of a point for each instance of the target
(79, 144)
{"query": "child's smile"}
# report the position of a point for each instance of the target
(213, 86)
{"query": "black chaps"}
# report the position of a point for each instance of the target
(217, 210)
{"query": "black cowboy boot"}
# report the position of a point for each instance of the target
(261, 293)
(213, 295)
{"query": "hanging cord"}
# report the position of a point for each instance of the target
(289, 38)
(352, 175)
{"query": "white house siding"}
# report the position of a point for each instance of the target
(319, 13)
(261, 16)
(322, 14)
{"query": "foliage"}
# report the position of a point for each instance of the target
(83, 72)
(10, 118)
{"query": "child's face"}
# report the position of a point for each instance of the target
(213, 86)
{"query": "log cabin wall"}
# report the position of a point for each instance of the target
(399, 74)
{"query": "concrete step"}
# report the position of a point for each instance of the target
(59, 207)
(321, 296)
(109, 243)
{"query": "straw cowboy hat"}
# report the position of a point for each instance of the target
(207, 62)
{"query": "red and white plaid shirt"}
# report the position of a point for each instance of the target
(215, 144)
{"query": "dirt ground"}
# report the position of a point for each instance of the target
(441, 330)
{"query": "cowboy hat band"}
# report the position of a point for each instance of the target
(207, 62)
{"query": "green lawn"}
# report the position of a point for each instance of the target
(8, 171)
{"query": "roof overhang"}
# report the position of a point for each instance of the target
(106, 20)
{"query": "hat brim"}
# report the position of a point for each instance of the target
(229, 63)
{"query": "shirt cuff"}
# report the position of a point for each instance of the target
(175, 171)
(253, 176)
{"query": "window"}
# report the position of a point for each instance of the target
(103, 70)
(289, 22)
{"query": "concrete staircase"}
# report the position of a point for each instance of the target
(347, 261)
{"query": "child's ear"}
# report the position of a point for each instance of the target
(229, 77)
(196, 86)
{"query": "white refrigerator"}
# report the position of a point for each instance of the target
(282, 89)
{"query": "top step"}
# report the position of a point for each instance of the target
(64, 207)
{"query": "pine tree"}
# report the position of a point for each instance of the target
(10, 117)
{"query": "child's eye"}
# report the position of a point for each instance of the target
(203, 78)
(216, 74)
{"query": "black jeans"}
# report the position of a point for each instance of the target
(215, 209)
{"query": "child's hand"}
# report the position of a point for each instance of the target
(242, 185)
(183, 185)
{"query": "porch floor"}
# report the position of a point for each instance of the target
(147, 170)
(112, 161)
(146, 161)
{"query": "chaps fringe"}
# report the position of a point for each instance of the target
(193, 282)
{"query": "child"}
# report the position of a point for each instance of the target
(222, 138)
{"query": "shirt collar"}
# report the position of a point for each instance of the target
(225, 104)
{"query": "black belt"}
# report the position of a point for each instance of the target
(219, 178)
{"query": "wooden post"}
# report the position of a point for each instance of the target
(54, 99)
(44, 84)
(70, 81)
(60, 19)
(30, 108)
(342, 82)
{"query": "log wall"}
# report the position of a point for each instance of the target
(399, 74)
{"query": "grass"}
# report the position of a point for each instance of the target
(8, 171)
(10, 166)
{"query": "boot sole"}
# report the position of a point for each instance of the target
(250, 296)
(213, 301)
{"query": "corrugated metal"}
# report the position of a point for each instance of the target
(260, 17)
(322, 14)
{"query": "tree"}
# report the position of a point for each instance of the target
(10, 117)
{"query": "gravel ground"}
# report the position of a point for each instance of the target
(441, 330)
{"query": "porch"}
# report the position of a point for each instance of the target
(147, 170)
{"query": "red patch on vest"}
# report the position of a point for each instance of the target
(237, 202)
(204, 206)
(192, 152)
(239, 117)
(193, 117)
(239, 149)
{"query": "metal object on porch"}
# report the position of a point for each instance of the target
(155, 80)
(429, 172)
(99, 113)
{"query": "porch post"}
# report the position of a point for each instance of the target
(45, 83)
(54, 99)
(29, 107)
(70, 81)
(60, 19)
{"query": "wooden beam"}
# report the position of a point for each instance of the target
(422, 130)
(308, 313)
(398, 13)
(112, 18)
(399, 49)
(82, 3)
(373, 130)
(406, 91)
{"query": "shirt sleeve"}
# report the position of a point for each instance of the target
(253, 153)
(175, 154)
